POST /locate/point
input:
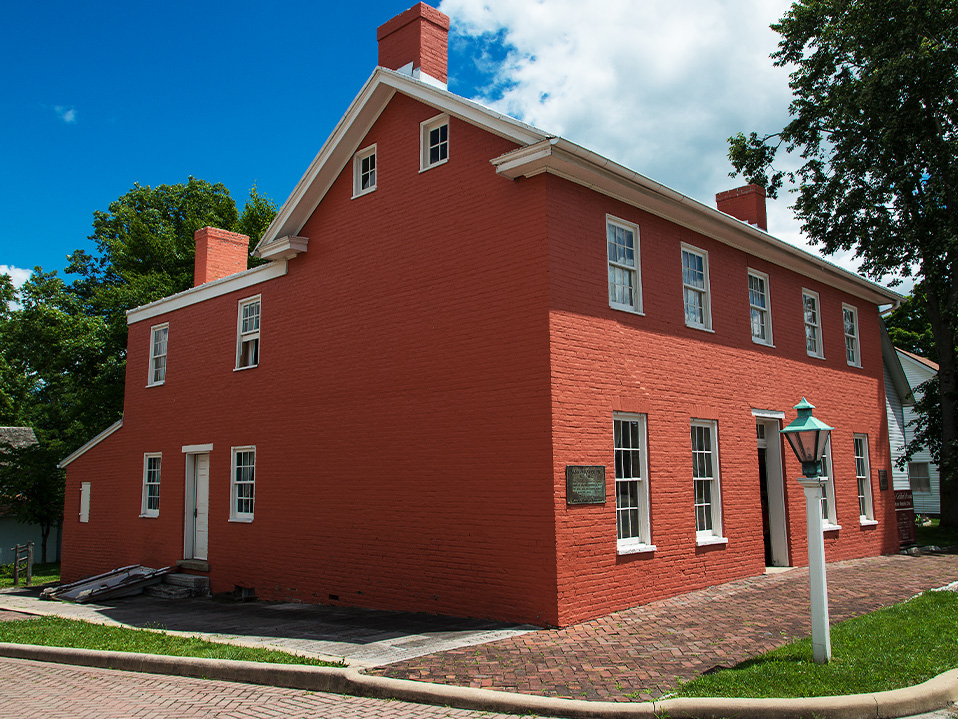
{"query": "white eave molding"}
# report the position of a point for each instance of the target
(345, 139)
(92, 443)
(284, 248)
(216, 288)
(565, 159)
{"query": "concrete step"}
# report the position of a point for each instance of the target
(198, 586)
(168, 591)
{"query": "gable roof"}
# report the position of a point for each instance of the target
(539, 152)
(892, 361)
(927, 363)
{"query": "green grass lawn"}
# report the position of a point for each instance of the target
(60, 632)
(934, 535)
(896, 647)
(42, 574)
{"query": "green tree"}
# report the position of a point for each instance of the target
(874, 119)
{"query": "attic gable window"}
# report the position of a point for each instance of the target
(159, 336)
(364, 171)
(434, 142)
(247, 342)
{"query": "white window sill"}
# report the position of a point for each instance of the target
(856, 365)
(241, 520)
(763, 343)
(435, 164)
(364, 192)
(814, 356)
(150, 516)
(707, 541)
(156, 384)
(249, 366)
(865, 522)
(630, 310)
(700, 327)
(831, 527)
(635, 548)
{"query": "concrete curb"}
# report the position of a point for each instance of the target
(934, 694)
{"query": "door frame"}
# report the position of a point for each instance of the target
(192, 451)
(775, 483)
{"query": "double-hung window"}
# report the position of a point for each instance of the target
(705, 482)
(625, 272)
(151, 485)
(918, 477)
(434, 142)
(247, 341)
(829, 518)
(759, 307)
(850, 320)
(364, 171)
(631, 484)
(695, 286)
(159, 336)
(813, 326)
(865, 511)
(243, 483)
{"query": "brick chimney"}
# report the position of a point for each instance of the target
(218, 254)
(417, 42)
(744, 203)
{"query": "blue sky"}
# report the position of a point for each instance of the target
(100, 96)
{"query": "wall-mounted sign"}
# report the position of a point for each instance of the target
(883, 479)
(584, 484)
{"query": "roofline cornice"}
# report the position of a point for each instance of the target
(565, 159)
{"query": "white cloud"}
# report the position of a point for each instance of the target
(17, 274)
(658, 87)
(67, 114)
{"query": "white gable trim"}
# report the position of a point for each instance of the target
(92, 443)
(584, 167)
(346, 137)
(208, 291)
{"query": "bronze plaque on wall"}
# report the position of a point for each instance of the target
(584, 484)
(883, 479)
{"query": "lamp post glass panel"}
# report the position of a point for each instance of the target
(808, 437)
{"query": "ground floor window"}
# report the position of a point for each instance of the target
(631, 482)
(705, 480)
(151, 485)
(828, 489)
(243, 484)
(864, 483)
(919, 477)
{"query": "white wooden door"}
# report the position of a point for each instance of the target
(201, 520)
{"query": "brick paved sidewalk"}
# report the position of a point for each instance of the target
(641, 652)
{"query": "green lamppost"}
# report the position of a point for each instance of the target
(808, 437)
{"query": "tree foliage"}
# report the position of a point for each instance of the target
(874, 120)
(63, 345)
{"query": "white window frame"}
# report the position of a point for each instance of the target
(359, 174)
(815, 326)
(151, 479)
(866, 508)
(156, 356)
(704, 292)
(617, 266)
(912, 477)
(713, 507)
(629, 460)
(829, 509)
(250, 335)
(853, 353)
(237, 515)
(425, 128)
(764, 311)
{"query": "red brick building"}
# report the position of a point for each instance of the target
(459, 311)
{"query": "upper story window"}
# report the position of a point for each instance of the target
(247, 342)
(865, 510)
(631, 484)
(243, 483)
(759, 307)
(813, 326)
(151, 485)
(625, 272)
(850, 320)
(705, 481)
(695, 284)
(159, 336)
(434, 142)
(364, 171)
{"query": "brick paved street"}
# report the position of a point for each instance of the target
(639, 653)
(38, 690)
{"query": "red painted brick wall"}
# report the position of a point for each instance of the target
(400, 410)
(604, 361)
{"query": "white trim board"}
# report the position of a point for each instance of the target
(92, 443)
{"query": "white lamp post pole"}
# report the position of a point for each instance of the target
(821, 639)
